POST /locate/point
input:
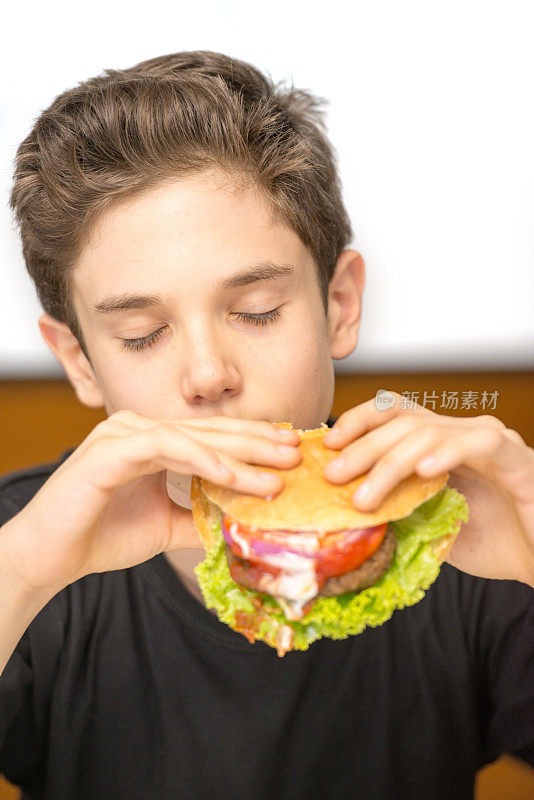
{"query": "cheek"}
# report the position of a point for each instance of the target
(125, 387)
(306, 349)
(299, 363)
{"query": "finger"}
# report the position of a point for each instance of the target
(250, 426)
(360, 455)
(125, 419)
(150, 450)
(397, 464)
(120, 423)
(430, 451)
(128, 419)
(252, 480)
(510, 458)
(103, 430)
(259, 429)
(251, 449)
(236, 449)
(120, 458)
(365, 417)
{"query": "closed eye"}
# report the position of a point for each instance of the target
(265, 318)
(143, 342)
(260, 319)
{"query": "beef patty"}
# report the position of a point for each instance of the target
(365, 575)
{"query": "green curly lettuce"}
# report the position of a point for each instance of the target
(413, 569)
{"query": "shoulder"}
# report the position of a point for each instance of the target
(17, 488)
(470, 595)
(493, 617)
(470, 589)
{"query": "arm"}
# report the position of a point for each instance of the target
(19, 604)
(489, 463)
(106, 506)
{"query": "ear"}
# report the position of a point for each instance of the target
(345, 295)
(65, 347)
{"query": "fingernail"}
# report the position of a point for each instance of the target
(286, 449)
(337, 463)
(363, 491)
(286, 434)
(267, 476)
(428, 462)
(333, 437)
(333, 432)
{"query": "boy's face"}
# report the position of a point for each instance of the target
(182, 242)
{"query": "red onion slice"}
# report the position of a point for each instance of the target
(305, 544)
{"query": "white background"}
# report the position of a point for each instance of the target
(432, 116)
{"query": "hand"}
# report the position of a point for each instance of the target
(106, 507)
(489, 463)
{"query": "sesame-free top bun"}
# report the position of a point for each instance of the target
(308, 501)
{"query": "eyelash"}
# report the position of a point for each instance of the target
(266, 318)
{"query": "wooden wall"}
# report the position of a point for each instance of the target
(41, 419)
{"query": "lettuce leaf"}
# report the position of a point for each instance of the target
(413, 569)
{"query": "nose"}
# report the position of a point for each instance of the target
(208, 368)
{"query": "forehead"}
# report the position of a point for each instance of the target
(196, 231)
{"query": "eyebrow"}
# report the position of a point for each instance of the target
(262, 271)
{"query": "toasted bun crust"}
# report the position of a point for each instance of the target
(205, 514)
(308, 501)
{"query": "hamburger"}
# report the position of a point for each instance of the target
(305, 564)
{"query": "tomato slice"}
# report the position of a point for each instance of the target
(331, 553)
(349, 553)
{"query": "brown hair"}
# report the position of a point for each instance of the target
(125, 131)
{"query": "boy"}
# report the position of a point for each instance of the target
(183, 224)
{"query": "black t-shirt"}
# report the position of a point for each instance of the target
(124, 686)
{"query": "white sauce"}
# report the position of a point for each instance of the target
(298, 583)
(291, 562)
(284, 638)
(291, 608)
(240, 540)
(293, 586)
(305, 542)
